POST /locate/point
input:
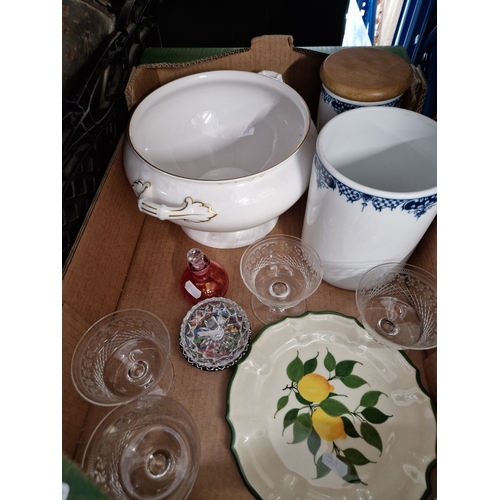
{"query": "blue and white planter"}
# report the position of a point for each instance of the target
(373, 190)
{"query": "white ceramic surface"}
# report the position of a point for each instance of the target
(330, 105)
(221, 153)
(274, 466)
(373, 190)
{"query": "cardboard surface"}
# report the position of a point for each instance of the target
(125, 259)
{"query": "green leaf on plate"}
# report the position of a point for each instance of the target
(374, 415)
(353, 381)
(345, 368)
(349, 428)
(329, 361)
(352, 473)
(302, 427)
(321, 469)
(356, 457)
(371, 435)
(290, 417)
(310, 365)
(335, 395)
(370, 398)
(313, 443)
(282, 402)
(333, 407)
(302, 400)
(295, 369)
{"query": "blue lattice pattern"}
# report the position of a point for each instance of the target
(415, 206)
(342, 106)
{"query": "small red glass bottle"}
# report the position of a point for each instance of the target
(202, 278)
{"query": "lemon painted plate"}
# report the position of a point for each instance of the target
(319, 411)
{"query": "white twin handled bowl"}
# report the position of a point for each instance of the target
(222, 154)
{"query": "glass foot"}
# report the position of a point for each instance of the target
(165, 382)
(268, 314)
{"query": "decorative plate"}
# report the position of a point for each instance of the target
(319, 410)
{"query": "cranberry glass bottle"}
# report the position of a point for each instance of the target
(202, 278)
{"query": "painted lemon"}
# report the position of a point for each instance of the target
(314, 387)
(328, 428)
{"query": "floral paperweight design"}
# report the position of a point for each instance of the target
(215, 334)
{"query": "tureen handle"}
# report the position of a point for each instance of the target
(272, 74)
(193, 211)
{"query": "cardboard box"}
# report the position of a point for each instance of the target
(125, 259)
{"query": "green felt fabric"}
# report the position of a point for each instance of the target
(80, 486)
(154, 55)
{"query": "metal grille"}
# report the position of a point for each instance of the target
(95, 114)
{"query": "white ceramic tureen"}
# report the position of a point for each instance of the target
(223, 154)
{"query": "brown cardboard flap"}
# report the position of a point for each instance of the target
(109, 240)
(94, 279)
(299, 68)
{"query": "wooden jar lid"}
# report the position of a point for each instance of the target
(366, 74)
